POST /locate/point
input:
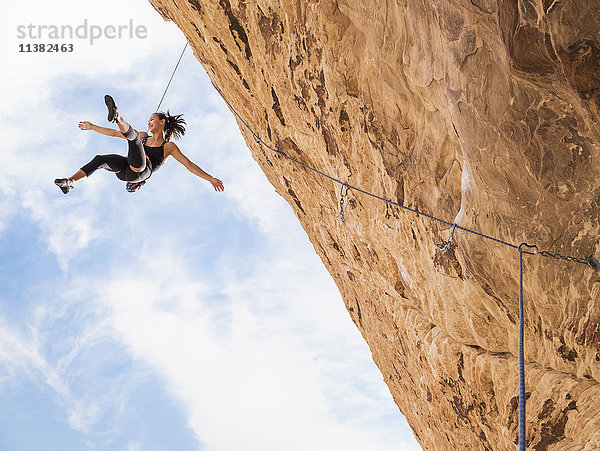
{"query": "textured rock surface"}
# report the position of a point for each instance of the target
(481, 110)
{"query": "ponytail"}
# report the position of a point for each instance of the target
(174, 125)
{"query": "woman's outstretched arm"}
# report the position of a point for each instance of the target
(85, 125)
(172, 149)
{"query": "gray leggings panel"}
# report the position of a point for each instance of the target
(136, 155)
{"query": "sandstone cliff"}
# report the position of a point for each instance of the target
(483, 112)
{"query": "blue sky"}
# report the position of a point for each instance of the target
(176, 318)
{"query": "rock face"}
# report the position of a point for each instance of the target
(483, 112)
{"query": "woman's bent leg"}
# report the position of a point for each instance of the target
(122, 123)
(112, 163)
(136, 155)
(117, 164)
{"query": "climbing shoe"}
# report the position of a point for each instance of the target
(64, 185)
(112, 108)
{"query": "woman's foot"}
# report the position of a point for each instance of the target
(112, 108)
(64, 184)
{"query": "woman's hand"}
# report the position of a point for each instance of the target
(85, 125)
(217, 184)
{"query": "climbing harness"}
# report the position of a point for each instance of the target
(132, 187)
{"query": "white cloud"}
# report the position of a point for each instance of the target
(71, 359)
(256, 371)
(23, 358)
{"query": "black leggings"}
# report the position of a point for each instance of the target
(121, 166)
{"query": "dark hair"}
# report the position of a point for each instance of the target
(174, 125)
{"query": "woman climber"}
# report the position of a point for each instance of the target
(146, 152)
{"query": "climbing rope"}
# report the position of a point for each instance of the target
(522, 397)
(589, 261)
(172, 75)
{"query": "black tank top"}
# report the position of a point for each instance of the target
(156, 155)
